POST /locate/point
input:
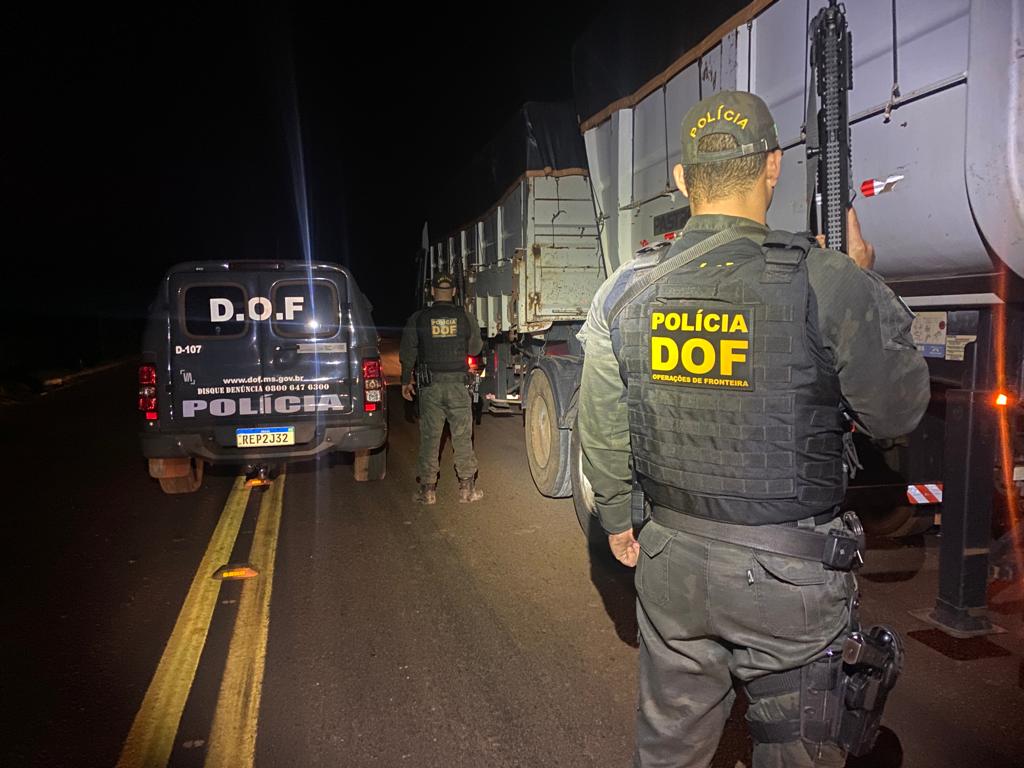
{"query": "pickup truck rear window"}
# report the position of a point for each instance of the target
(311, 311)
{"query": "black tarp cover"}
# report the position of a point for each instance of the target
(541, 138)
(630, 44)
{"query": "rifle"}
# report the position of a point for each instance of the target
(828, 126)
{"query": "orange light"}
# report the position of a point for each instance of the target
(1002, 399)
(235, 572)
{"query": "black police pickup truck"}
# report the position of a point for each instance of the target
(256, 363)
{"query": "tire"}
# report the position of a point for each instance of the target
(547, 446)
(370, 464)
(583, 496)
(188, 483)
(897, 522)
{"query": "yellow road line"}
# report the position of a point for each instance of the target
(151, 738)
(233, 735)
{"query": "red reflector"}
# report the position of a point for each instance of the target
(369, 407)
(152, 416)
(371, 368)
(147, 403)
(147, 374)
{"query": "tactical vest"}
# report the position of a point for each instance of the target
(443, 332)
(734, 403)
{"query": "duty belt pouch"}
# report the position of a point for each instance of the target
(639, 512)
(423, 377)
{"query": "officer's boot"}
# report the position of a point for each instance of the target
(468, 491)
(427, 494)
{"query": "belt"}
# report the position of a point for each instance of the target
(832, 548)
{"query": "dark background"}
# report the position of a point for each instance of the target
(135, 138)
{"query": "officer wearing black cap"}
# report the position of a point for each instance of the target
(435, 344)
(720, 377)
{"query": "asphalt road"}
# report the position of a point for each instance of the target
(394, 635)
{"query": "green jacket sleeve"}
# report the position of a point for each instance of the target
(603, 420)
(408, 348)
(883, 376)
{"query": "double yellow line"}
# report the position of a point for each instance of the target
(232, 738)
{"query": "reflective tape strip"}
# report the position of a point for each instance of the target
(926, 493)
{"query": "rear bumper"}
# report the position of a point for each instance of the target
(202, 445)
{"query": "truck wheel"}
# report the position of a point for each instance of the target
(547, 446)
(370, 464)
(583, 495)
(897, 522)
(178, 475)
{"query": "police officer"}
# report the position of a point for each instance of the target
(720, 384)
(436, 342)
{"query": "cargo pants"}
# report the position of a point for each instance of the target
(710, 612)
(446, 398)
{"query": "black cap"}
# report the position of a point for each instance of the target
(444, 282)
(742, 115)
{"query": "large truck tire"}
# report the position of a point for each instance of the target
(547, 446)
(898, 521)
(370, 464)
(177, 475)
(583, 496)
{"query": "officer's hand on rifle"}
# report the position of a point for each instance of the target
(408, 390)
(861, 251)
(624, 547)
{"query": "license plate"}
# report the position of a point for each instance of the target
(258, 437)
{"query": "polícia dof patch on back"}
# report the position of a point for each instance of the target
(444, 327)
(702, 346)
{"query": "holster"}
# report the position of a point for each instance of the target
(842, 694)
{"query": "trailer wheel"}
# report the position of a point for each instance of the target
(583, 495)
(547, 446)
(897, 522)
(178, 475)
(370, 464)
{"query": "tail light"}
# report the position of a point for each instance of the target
(373, 385)
(147, 392)
(471, 363)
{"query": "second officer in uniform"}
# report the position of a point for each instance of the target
(435, 344)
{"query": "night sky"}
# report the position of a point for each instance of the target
(133, 139)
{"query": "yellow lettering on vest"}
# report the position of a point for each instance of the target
(657, 319)
(685, 323)
(729, 115)
(732, 351)
(712, 323)
(739, 324)
(664, 354)
(708, 356)
(693, 132)
(742, 123)
(672, 321)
